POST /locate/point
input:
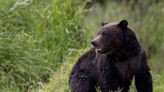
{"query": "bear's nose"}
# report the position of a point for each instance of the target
(94, 43)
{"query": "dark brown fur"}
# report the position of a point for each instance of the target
(116, 58)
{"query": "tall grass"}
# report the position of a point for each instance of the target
(35, 37)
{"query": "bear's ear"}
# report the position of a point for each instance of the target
(123, 24)
(103, 23)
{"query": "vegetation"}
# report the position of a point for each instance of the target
(34, 38)
(40, 40)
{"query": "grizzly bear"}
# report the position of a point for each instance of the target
(116, 57)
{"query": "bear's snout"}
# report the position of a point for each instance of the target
(94, 43)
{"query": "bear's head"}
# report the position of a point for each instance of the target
(116, 38)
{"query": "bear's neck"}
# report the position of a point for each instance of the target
(124, 54)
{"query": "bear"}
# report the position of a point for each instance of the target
(116, 57)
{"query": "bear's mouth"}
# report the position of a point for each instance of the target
(99, 50)
(102, 51)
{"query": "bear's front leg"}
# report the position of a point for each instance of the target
(143, 79)
(81, 82)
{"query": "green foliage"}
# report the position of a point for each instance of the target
(150, 29)
(35, 35)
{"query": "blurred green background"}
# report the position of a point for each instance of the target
(40, 40)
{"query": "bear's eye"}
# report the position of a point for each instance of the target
(104, 33)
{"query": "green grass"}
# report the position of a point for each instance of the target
(35, 38)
